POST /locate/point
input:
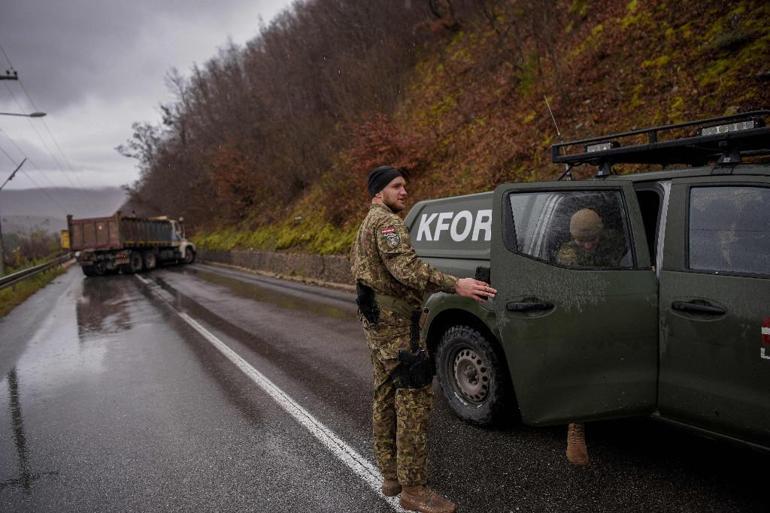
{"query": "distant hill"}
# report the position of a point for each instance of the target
(24, 210)
(27, 224)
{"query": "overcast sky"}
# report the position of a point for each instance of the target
(96, 66)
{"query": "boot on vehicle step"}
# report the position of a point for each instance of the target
(390, 487)
(577, 452)
(425, 500)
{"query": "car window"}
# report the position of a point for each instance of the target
(730, 229)
(581, 229)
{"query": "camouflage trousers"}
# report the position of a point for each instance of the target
(399, 416)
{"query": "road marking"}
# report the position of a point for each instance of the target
(349, 456)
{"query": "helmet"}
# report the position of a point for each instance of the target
(585, 224)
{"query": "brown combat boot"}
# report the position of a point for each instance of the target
(425, 500)
(390, 487)
(577, 452)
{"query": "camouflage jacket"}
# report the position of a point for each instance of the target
(383, 258)
(607, 253)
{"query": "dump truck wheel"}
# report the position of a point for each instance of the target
(150, 261)
(135, 264)
(189, 256)
(473, 377)
(88, 270)
(100, 269)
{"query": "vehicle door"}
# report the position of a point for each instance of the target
(715, 306)
(580, 339)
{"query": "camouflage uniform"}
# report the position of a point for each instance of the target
(383, 259)
(607, 252)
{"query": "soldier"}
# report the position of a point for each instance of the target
(591, 246)
(391, 282)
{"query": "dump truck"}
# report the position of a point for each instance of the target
(127, 244)
(673, 321)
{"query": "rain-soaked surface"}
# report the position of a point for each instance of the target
(109, 402)
(113, 405)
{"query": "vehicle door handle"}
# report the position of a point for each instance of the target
(528, 307)
(698, 308)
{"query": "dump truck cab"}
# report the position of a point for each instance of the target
(667, 311)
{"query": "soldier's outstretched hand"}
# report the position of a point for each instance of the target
(475, 289)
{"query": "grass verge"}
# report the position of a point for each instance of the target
(11, 297)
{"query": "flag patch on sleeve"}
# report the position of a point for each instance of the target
(391, 236)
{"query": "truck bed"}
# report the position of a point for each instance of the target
(118, 232)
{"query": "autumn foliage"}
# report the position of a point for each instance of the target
(271, 143)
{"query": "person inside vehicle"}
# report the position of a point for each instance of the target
(591, 245)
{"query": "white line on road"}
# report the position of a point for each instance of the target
(349, 456)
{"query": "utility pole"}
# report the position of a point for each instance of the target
(11, 74)
(2, 248)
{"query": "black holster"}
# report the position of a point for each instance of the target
(415, 367)
(366, 303)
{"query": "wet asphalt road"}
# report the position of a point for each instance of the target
(109, 401)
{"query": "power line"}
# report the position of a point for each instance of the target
(13, 173)
(40, 137)
(31, 163)
(7, 155)
(48, 129)
(42, 174)
(43, 190)
(6, 56)
(42, 140)
(50, 134)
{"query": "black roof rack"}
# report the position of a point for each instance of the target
(729, 137)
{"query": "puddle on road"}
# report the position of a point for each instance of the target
(103, 308)
(270, 294)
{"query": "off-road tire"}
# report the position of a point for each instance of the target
(473, 377)
(89, 270)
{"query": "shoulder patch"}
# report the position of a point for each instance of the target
(391, 236)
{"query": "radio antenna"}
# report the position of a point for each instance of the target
(558, 133)
(567, 168)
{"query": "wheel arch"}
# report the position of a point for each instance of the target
(449, 317)
(453, 316)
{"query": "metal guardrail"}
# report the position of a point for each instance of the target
(12, 279)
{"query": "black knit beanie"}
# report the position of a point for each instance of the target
(380, 177)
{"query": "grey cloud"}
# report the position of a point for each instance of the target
(65, 49)
(98, 65)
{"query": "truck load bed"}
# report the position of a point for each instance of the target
(118, 232)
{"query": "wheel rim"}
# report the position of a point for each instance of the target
(471, 375)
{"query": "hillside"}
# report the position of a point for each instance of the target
(463, 113)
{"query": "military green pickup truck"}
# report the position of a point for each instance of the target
(657, 304)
